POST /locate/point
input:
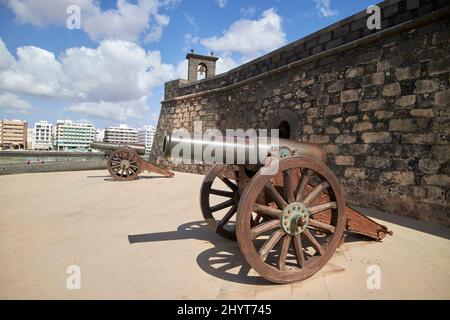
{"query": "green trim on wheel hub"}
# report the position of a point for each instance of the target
(125, 164)
(294, 219)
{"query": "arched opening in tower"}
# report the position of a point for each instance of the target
(284, 130)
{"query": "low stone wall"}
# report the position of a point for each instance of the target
(378, 102)
(97, 164)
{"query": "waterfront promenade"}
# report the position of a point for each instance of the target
(145, 239)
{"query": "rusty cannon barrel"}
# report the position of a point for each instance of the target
(108, 146)
(235, 149)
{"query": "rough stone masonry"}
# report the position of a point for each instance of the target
(377, 100)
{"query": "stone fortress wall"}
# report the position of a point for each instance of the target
(376, 100)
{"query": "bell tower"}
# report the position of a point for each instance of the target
(201, 67)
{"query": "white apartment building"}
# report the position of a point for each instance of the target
(74, 136)
(146, 136)
(121, 134)
(43, 136)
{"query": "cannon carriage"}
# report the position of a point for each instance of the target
(124, 161)
(288, 222)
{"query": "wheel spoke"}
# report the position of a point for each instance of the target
(322, 207)
(222, 205)
(284, 252)
(287, 185)
(321, 225)
(281, 203)
(263, 209)
(228, 182)
(222, 193)
(270, 243)
(299, 250)
(228, 216)
(315, 192)
(264, 227)
(302, 185)
(313, 241)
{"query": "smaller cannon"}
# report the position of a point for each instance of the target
(124, 161)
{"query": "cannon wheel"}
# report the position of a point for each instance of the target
(220, 216)
(123, 164)
(293, 246)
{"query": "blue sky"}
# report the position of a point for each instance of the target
(112, 70)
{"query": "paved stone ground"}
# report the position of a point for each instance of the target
(145, 240)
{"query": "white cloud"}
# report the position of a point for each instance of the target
(250, 37)
(11, 103)
(225, 63)
(119, 111)
(111, 81)
(129, 21)
(36, 71)
(324, 8)
(221, 3)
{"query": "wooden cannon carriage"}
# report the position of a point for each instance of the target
(287, 223)
(124, 161)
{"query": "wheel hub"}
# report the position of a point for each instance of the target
(125, 164)
(294, 219)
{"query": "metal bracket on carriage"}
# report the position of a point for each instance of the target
(145, 165)
(358, 223)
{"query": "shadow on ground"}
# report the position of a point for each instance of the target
(223, 261)
(110, 179)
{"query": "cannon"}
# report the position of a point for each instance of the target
(288, 223)
(124, 161)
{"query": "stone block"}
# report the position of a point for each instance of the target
(406, 101)
(344, 160)
(373, 79)
(362, 126)
(345, 139)
(407, 73)
(377, 137)
(426, 86)
(442, 98)
(391, 90)
(425, 113)
(333, 109)
(350, 95)
(402, 178)
(440, 180)
(401, 125)
(370, 105)
(377, 162)
(383, 114)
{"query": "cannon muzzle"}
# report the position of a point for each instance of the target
(107, 146)
(235, 149)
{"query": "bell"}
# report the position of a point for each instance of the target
(201, 69)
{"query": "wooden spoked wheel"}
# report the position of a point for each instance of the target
(219, 197)
(123, 164)
(293, 245)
